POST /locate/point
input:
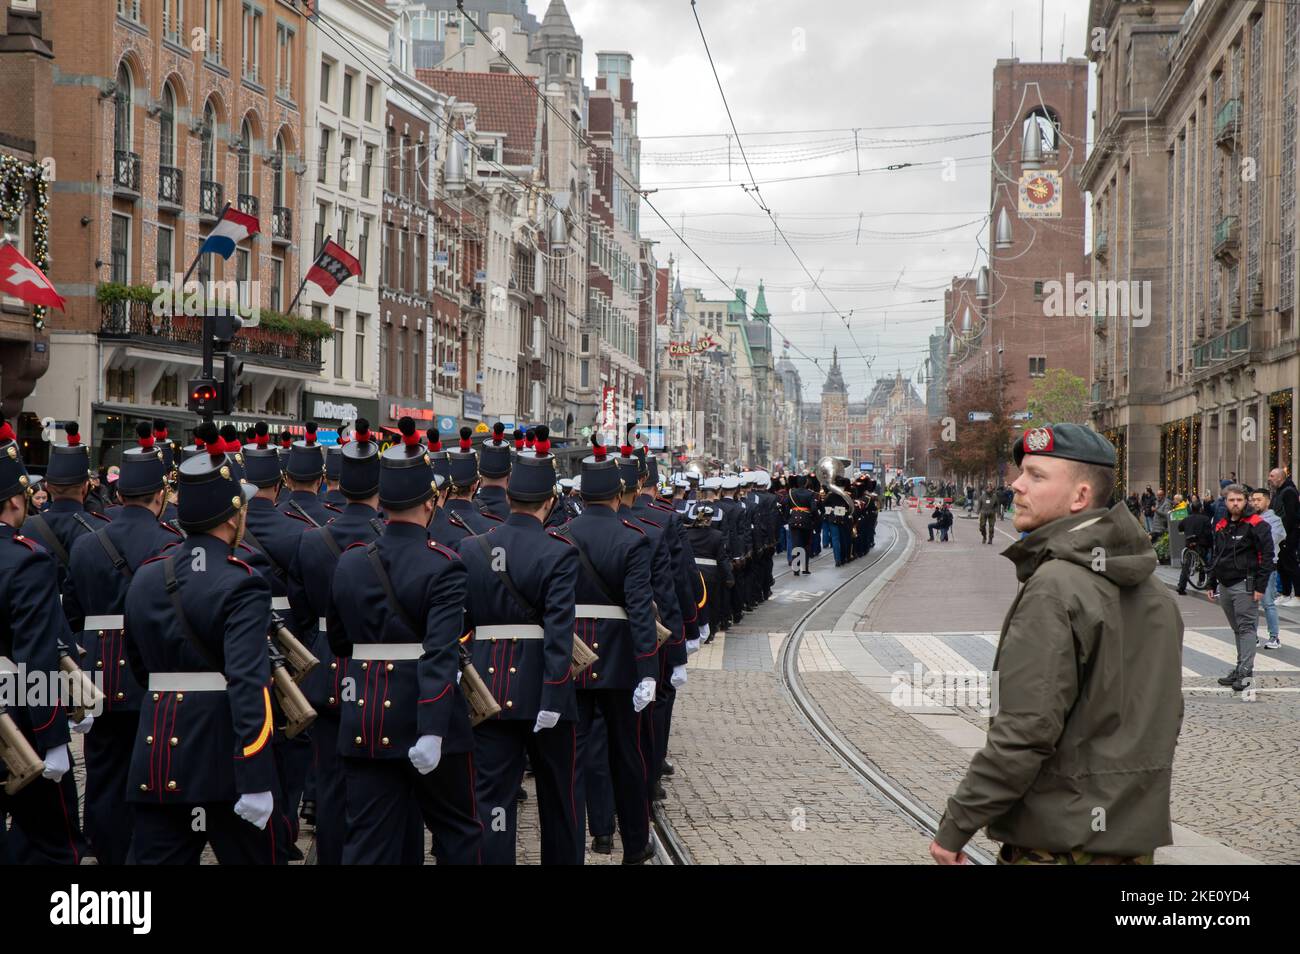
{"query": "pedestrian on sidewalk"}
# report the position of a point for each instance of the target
(1243, 562)
(988, 510)
(1286, 505)
(1077, 734)
(1259, 500)
(1160, 516)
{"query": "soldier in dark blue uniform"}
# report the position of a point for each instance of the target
(459, 517)
(44, 822)
(333, 499)
(494, 471)
(802, 517)
(614, 616)
(712, 561)
(404, 737)
(520, 606)
(303, 471)
(99, 575)
(67, 478)
(196, 622)
(311, 585)
(768, 509)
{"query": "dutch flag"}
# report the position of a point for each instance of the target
(233, 228)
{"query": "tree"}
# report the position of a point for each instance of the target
(1058, 397)
(972, 450)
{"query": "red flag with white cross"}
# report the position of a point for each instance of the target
(23, 280)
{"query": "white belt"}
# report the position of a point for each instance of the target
(387, 651)
(7, 664)
(705, 561)
(599, 611)
(187, 682)
(102, 622)
(322, 625)
(510, 631)
(279, 602)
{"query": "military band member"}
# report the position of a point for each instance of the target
(67, 479)
(494, 472)
(99, 574)
(404, 733)
(802, 519)
(459, 517)
(202, 769)
(615, 617)
(43, 820)
(333, 499)
(303, 471)
(311, 583)
(713, 563)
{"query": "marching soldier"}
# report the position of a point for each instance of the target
(404, 739)
(43, 821)
(988, 512)
(615, 618)
(802, 518)
(333, 499)
(202, 770)
(494, 469)
(303, 470)
(732, 525)
(520, 606)
(67, 478)
(99, 574)
(311, 583)
(713, 563)
(459, 517)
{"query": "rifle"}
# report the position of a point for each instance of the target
(477, 695)
(299, 658)
(24, 765)
(297, 710)
(86, 695)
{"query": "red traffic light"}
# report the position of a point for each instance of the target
(206, 392)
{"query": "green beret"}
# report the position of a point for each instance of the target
(1068, 441)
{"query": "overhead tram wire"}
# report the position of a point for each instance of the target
(757, 194)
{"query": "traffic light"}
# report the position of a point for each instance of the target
(204, 396)
(231, 385)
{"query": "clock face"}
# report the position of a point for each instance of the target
(1040, 194)
(1040, 190)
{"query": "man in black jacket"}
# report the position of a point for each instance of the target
(1286, 504)
(1199, 533)
(1243, 563)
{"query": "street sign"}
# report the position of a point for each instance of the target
(1022, 416)
(446, 424)
(979, 416)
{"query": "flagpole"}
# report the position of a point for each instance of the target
(194, 264)
(294, 304)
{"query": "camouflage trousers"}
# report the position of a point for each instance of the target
(1013, 855)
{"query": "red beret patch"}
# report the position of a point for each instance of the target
(1039, 441)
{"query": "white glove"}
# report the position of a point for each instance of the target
(704, 631)
(426, 753)
(57, 763)
(82, 727)
(546, 720)
(678, 678)
(255, 808)
(643, 694)
(692, 645)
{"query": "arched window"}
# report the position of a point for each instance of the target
(167, 128)
(122, 101)
(281, 156)
(208, 144)
(1049, 128)
(245, 159)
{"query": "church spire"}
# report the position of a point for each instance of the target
(835, 379)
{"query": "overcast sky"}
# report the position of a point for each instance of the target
(799, 77)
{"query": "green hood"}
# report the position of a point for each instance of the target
(1109, 542)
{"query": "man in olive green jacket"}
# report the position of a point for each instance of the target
(1077, 763)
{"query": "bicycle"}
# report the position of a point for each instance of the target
(1198, 574)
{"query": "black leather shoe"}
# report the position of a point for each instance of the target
(1229, 679)
(641, 858)
(1243, 682)
(308, 813)
(521, 795)
(659, 794)
(667, 769)
(295, 853)
(603, 844)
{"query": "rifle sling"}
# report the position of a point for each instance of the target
(173, 591)
(529, 610)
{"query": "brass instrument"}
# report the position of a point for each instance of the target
(478, 696)
(297, 656)
(21, 760)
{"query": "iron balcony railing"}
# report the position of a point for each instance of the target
(1228, 121)
(136, 320)
(248, 204)
(282, 223)
(171, 186)
(126, 170)
(211, 198)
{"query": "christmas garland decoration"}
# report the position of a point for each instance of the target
(14, 176)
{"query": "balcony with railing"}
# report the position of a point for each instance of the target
(1227, 239)
(171, 187)
(1228, 344)
(1227, 124)
(135, 321)
(248, 204)
(126, 173)
(281, 224)
(212, 199)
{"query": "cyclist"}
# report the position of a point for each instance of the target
(1199, 533)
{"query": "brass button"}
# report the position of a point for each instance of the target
(101, 632)
(593, 677)
(171, 786)
(99, 664)
(494, 640)
(121, 696)
(148, 740)
(491, 670)
(365, 665)
(144, 787)
(384, 740)
(331, 700)
(595, 645)
(510, 704)
(155, 697)
(180, 697)
(389, 667)
(388, 704)
(334, 665)
(357, 740)
(121, 662)
(361, 702)
(174, 741)
(513, 669)
(514, 639)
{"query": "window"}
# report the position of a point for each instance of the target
(322, 216)
(346, 173)
(130, 9)
(166, 241)
(123, 99)
(212, 21)
(208, 144)
(120, 254)
(277, 184)
(245, 159)
(363, 249)
(174, 21)
(326, 67)
(416, 177)
(277, 283)
(323, 155)
(252, 35)
(399, 383)
(338, 337)
(584, 372)
(401, 165)
(391, 164)
(1037, 366)
(367, 167)
(345, 226)
(402, 271)
(362, 321)
(370, 102)
(349, 78)
(243, 263)
(586, 343)
(120, 384)
(167, 390)
(167, 128)
(283, 61)
(1038, 291)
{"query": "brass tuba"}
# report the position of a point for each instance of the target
(828, 468)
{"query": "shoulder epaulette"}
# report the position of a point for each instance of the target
(296, 516)
(455, 521)
(155, 559)
(632, 526)
(169, 528)
(554, 535)
(19, 538)
(174, 543)
(238, 562)
(353, 546)
(491, 516)
(439, 548)
(650, 522)
(101, 516)
(330, 506)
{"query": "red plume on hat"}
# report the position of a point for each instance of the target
(598, 449)
(6, 432)
(159, 430)
(144, 437)
(206, 436)
(286, 439)
(519, 439)
(344, 439)
(409, 436)
(261, 434)
(361, 431)
(465, 443)
(230, 439)
(626, 448)
(542, 444)
(310, 437)
(530, 438)
(498, 431)
(73, 430)
(434, 439)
